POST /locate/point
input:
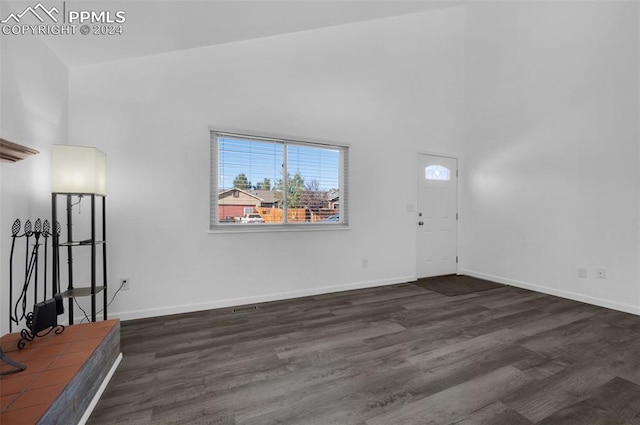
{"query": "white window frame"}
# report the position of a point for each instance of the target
(438, 168)
(216, 227)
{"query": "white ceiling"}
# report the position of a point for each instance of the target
(159, 26)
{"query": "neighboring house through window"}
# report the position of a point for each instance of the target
(276, 182)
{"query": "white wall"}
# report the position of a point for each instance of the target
(550, 177)
(390, 88)
(540, 100)
(33, 112)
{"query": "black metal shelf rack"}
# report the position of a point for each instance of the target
(93, 289)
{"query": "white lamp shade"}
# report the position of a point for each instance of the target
(79, 170)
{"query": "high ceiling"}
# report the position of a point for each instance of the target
(159, 26)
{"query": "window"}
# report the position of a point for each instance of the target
(265, 182)
(437, 172)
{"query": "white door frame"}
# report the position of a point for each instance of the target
(419, 154)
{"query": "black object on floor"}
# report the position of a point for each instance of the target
(17, 367)
(452, 285)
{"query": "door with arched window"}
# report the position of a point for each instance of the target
(436, 220)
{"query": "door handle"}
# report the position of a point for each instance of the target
(421, 223)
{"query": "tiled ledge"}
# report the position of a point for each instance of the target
(63, 373)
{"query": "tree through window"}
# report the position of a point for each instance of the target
(276, 182)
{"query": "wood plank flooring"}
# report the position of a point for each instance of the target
(394, 355)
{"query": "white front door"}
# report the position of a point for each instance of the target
(436, 218)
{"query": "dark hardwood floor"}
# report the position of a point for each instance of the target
(394, 355)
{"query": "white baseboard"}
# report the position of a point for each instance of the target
(232, 302)
(601, 302)
(103, 386)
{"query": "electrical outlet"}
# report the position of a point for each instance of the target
(582, 273)
(601, 273)
(124, 283)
